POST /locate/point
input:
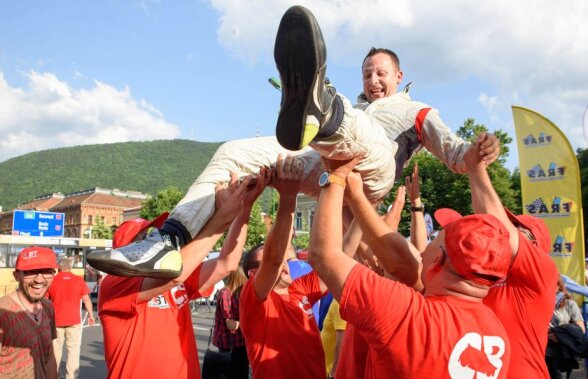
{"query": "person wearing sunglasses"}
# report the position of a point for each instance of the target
(27, 319)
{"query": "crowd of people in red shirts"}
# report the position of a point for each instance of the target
(475, 302)
(476, 298)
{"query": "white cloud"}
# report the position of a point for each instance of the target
(534, 49)
(49, 113)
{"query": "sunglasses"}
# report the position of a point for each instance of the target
(45, 273)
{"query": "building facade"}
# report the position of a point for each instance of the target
(83, 210)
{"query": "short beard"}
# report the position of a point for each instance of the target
(29, 298)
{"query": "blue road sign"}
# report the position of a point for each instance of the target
(37, 224)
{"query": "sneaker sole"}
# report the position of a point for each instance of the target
(171, 267)
(300, 56)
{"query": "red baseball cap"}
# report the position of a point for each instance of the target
(128, 230)
(446, 215)
(536, 226)
(36, 258)
(477, 246)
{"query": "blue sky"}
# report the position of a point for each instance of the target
(81, 72)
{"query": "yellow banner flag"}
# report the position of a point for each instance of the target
(550, 186)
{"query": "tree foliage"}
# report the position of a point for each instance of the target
(302, 239)
(256, 229)
(582, 155)
(164, 201)
(100, 230)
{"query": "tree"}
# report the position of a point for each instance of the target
(100, 230)
(582, 155)
(164, 201)
(256, 229)
(302, 239)
(515, 181)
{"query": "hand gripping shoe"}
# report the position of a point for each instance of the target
(154, 257)
(300, 56)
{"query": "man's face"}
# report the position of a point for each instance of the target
(380, 76)
(34, 283)
(284, 278)
(256, 261)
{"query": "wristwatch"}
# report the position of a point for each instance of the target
(417, 209)
(328, 178)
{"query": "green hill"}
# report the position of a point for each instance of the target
(147, 167)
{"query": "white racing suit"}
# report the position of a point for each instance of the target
(387, 132)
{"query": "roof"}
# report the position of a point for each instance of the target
(42, 204)
(98, 199)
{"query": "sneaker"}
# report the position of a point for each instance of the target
(300, 56)
(155, 257)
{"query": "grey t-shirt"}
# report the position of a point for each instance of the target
(569, 313)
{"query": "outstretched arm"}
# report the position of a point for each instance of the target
(88, 304)
(352, 238)
(484, 197)
(214, 270)
(392, 217)
(418, 228)
(287, 174)
(228, 202)
(398, 256)
(326, 239)
(438, 138)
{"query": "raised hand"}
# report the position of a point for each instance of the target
(354, 186)
(256, 187)
(287, 175)
(413, 186)
(488, 147)
(229, 198)
(392, 217)
(341, 168)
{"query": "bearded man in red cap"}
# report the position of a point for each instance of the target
(27, 319)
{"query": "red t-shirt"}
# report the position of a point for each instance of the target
(524, 302)
(153, 339)
(411, 336)
(66, 293)
(353, 355)
(281, 335)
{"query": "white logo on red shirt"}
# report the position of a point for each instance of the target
(158, 302)
(180, 295)
(475, 354)
(305, 305)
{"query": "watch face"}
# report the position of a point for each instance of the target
(324, 179)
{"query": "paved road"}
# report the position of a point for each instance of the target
(92, 365)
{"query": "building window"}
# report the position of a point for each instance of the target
(310, 217)
(298, 221)
(90, 219)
